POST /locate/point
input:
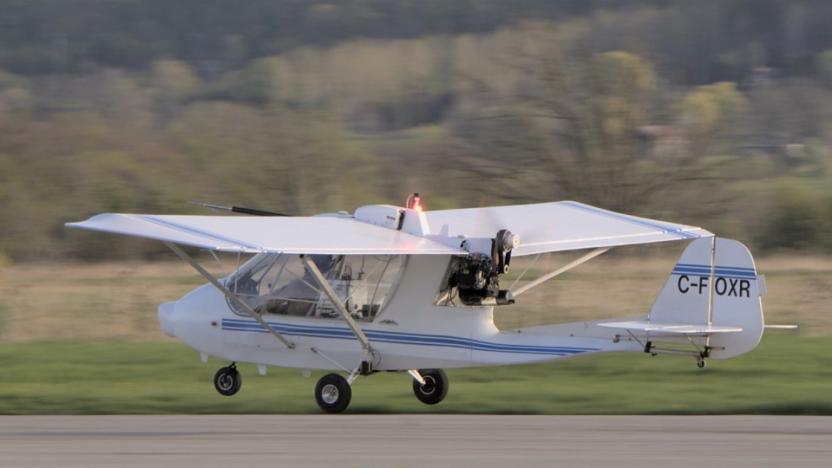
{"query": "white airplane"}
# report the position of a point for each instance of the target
(402, 289)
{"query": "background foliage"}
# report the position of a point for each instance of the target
(710, 113)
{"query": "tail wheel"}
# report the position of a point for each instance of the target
(333, 393)
(435, 388)
(228, 380)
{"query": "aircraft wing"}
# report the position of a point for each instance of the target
(327, 235)
(559, 226)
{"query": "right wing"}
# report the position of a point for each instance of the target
(559, 226)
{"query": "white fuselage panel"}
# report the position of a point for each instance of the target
(411, 332)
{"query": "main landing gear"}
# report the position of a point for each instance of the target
(435, 388)
(228, 380)
(333, 393)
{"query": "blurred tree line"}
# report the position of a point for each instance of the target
(710, 113)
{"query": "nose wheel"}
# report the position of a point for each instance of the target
(435, 388)
(333, 393)
(228, 380)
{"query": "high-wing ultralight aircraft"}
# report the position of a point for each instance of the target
(403, 289)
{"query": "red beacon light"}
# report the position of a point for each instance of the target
(414, 202)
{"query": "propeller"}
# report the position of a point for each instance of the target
(238, 209)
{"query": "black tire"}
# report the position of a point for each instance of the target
(228, 381)
(333, 393)
(435, 388)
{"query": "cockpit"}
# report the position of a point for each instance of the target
(274, 283)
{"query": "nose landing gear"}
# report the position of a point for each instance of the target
(228, 380)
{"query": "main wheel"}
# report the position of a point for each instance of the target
(333, 393)
(435, 388)
(228, 381)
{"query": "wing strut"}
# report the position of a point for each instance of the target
(579, 261)
(230, 295)
(339, 305)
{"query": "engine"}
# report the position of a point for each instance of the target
(476, 277)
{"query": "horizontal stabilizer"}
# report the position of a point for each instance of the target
(670, 328)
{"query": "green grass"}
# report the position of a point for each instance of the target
(787, 374)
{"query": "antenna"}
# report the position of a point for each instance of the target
(237, 209)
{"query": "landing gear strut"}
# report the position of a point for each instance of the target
(700, 360)
(227, 380)
(333, 393)
(435, 388)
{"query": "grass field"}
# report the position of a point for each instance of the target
(117, 301)
(785, 375)
(84, 339)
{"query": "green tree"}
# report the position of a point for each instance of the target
(713, 111)
(823, 64)
(173, 79)
(795, 219)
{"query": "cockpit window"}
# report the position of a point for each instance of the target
(281, 284)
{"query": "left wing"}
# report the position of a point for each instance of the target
(326, 235)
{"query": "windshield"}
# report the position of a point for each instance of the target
(281, 284)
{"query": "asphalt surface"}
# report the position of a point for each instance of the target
(415, 440)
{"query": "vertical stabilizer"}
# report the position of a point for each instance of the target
(715, 283)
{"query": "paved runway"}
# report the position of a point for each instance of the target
(415, 440)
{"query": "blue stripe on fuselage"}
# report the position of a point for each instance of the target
(400, 338)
